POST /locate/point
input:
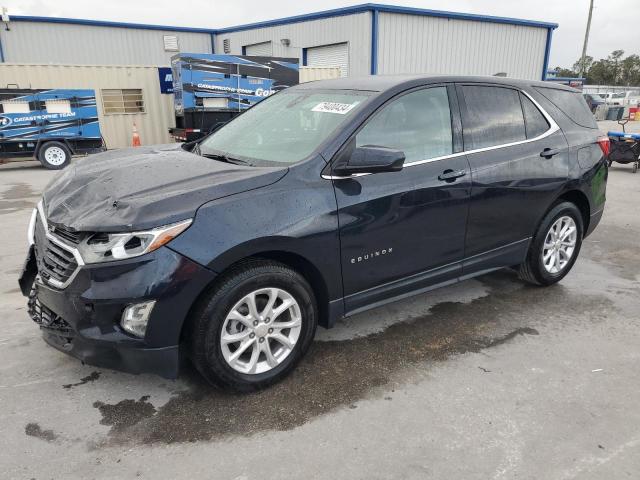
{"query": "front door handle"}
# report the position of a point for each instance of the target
(451, 175)
(550, 152)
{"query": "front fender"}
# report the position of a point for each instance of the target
(295, 215)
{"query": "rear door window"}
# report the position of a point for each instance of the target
(571, 104)
(418, 123)
(493, 117)
(534, 121)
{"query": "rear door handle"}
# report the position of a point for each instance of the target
(550, 152)
(451, 175)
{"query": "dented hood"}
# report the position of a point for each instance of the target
(145, 187)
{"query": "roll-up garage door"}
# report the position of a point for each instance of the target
(336, 55)
(263, 49)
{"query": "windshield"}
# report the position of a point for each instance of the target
(284, 128)
(597, 97)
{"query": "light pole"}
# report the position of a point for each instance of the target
(586, 41)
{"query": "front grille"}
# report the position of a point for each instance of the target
(55, 262)
(44, 317)
(66, 234)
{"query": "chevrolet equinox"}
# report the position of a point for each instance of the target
(322, 201)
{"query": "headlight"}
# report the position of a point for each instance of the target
(106, 247)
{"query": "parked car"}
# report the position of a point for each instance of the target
(320, 202)
(614, 98)
(593, 101)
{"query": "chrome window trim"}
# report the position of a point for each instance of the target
(61, 244)
(553, 128)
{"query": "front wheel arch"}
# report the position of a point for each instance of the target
(205, 320)
(292, 260)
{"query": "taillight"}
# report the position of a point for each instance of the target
(605, 145)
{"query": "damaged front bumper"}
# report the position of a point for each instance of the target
(83, 319)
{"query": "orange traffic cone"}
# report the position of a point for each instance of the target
(135, 141)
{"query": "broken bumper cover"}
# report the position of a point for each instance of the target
(83, 320)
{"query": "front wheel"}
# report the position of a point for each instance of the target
(253, 329)
(54, 155)
(555, 246)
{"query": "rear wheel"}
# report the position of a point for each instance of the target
(253, 329)
(54, 155)
(555, 246)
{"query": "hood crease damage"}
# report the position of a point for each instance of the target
(142, 188)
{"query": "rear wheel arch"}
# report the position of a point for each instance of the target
(580, 200)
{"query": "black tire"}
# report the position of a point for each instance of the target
(57, 150)
(208, 319)
(532, 270)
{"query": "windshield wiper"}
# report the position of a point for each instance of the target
(225, 158)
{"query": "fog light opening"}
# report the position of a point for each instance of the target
(136, 316)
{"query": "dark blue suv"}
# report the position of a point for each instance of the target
(324, 200)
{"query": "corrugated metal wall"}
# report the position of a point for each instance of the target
(419, 44)
(39, 42)
(263, 49)
(353, 29)
(336, 55)
(310, 74)
(153, 125)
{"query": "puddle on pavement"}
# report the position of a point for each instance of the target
(92, 377)
(35, 430)
(336, 374)
(125, 413)
(18, 196)
(615, 247)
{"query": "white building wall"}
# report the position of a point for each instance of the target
(354, 29)
(41, 42)
(153, 125)
(420, 44)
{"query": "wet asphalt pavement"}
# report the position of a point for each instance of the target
(490, 378)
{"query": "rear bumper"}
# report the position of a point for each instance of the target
(83, 320)
(594, 220)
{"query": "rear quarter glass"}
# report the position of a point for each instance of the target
(572, 104)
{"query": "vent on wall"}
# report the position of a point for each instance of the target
(170, 43)
(226, 45)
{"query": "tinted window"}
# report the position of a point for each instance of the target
(286, 127)
(494, 116)
(535, 123)
(571, 104)
(418, 123)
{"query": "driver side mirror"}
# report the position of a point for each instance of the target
(369, 159)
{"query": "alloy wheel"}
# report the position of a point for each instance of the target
(261, 330)
(559, 244)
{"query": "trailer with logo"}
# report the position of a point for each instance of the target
(210, 89)
(49, 125)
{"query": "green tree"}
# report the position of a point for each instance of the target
(588, 61)
(616, 69)
(565, 72)
(601, 73)
(630, 71)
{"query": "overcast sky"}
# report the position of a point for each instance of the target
(615, 25)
